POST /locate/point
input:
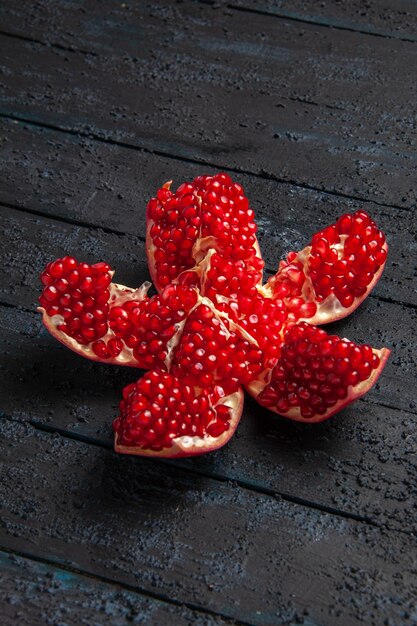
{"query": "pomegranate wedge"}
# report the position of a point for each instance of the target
(212, 328)
(331, 277)
(107, 322)
(162, 416)
(317, 374)
(212, 212)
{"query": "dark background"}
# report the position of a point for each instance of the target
(312, 107)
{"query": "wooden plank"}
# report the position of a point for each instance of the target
(361, 462)
(255, 95)
(35, 594)
(387, 18)
(249, 556)
(96, 183)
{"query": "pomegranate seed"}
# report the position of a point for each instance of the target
(340, 364)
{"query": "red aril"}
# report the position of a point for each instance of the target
(329, 279)
(317, 374)
(212, 212)
(160, 415)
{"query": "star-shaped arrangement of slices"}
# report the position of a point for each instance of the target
(214, 329)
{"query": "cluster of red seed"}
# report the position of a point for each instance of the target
(228, 279)
(263, 319)
(315, 371)
(347, 274)
(287, 286)
(211, 351)
(79, 292)
(226, 215)
(147, 326)
(160, 407)
(343, 261)
(210, 206)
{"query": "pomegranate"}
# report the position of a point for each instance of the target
(213, 329)
(162, 415)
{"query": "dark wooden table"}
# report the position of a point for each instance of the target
(312, 107)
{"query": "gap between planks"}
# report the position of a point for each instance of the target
(331, 23)
(236, 170)
(58, 46)
(125, 586)
(247, 485)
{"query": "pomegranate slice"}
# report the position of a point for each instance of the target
(213, 328)
(331, 277)
(161, 416)
(107, 322)
(317, 374)
(211, 212)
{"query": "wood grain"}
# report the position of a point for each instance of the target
(379, 17)
(35, 593)
(249, 556)
(302, 104)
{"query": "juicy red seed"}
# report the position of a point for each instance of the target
(344, 224)
(52, 310)
(159, 408)
(327, 368)
(88, 332)
(50, 293)
(77, 290)
(73, 277)
(100, 349)
(61, 285)
(56, 269)
(69, 263)
(209, 207)
(115, 346)
(217, 428)
(86, 284)
(101, 268)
